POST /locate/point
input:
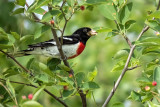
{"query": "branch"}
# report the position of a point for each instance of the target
(133, 67)
(66, 21)
(31, 85)
(128, 41)
(126, 65)
(59, 46)
(83, 98)
(25, 69)
(63, 57)
(125, 37)
(123, 71)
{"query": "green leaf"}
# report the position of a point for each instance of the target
(104, 30)
(42, 78)
(112, 34)
(5, 46)
(142, 79)
(151, 49)
(18, 11)
(118, 66)
(149, 41)
(91, 75)
(27, 39)
(64, 67)
(10, 87)
(31, 103)
(125, 13)
(2, 32)
(119, 104)
(32, 6)
(11, 71)
(121, 54)
(155, 14)
(71, 2)
(56, 2)
(15, 35)
(49, 15)
(153, 24)
(66, 79)
(150, 104)
(41, 31)
(67, 93)
(3, 39)
(135, 96)
(147, 97)
(53, 63)
(157, 76)
(108, 10)
(39, 11)
(41, 3)
(45, 69)
(95, 1)
(80, 76)
(20, 2)
(89, 86)
(30, 62)
(129, 23)
(38, 92)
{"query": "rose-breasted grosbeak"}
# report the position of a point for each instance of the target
(72, 46)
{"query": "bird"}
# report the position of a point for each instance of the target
(72, 45)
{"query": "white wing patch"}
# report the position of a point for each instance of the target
(68, 38)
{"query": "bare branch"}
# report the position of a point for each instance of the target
(128, 41)
(31, 85)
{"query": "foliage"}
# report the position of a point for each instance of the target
(51, 74)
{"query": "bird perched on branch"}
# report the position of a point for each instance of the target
(72, 45)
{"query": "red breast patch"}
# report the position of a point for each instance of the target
(79, 50)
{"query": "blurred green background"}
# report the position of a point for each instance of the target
(98, 52)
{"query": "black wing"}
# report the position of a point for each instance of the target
(66, 41)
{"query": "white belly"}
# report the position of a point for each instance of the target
(69, 50)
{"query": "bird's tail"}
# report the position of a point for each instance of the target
(20, 53)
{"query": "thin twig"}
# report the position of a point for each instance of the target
(66, 21)
(125, 37)
(133, 67)
(126, 65)
(25, 69)
(31, 85)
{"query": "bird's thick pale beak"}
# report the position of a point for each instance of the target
(92, 33)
